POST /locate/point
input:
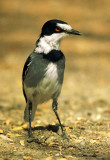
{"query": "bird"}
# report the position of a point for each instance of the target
(43, 71)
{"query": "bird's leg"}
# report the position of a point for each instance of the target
(31, 137)
(54, 107)
(30, 128)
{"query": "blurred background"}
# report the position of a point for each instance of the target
(87, 75)
(84, 103)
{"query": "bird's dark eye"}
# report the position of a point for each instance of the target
(57, 29)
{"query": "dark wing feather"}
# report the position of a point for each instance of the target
(26, 67)
(25, 71)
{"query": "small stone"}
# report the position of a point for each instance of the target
(5, 138)
(57, 154)
(27, 158)
(50, 139)
(22, 142)
(18, 153)
(62, 159)
(1, 131)
(48, 158)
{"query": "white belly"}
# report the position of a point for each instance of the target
(48, 87)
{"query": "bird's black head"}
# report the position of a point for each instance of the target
(53, 31)
(57, 26)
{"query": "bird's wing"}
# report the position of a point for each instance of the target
(26, 68)
(24, 73)
(34, 70)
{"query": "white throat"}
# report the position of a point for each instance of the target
(48, 43)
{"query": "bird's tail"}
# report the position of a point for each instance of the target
(26, 113)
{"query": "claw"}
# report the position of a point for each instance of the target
(30, 139)
(64, 136)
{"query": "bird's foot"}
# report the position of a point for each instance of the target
(64, 136)
(31, 137)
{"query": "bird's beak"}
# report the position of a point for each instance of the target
(72, 31)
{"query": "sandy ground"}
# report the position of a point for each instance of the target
(84, 104)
